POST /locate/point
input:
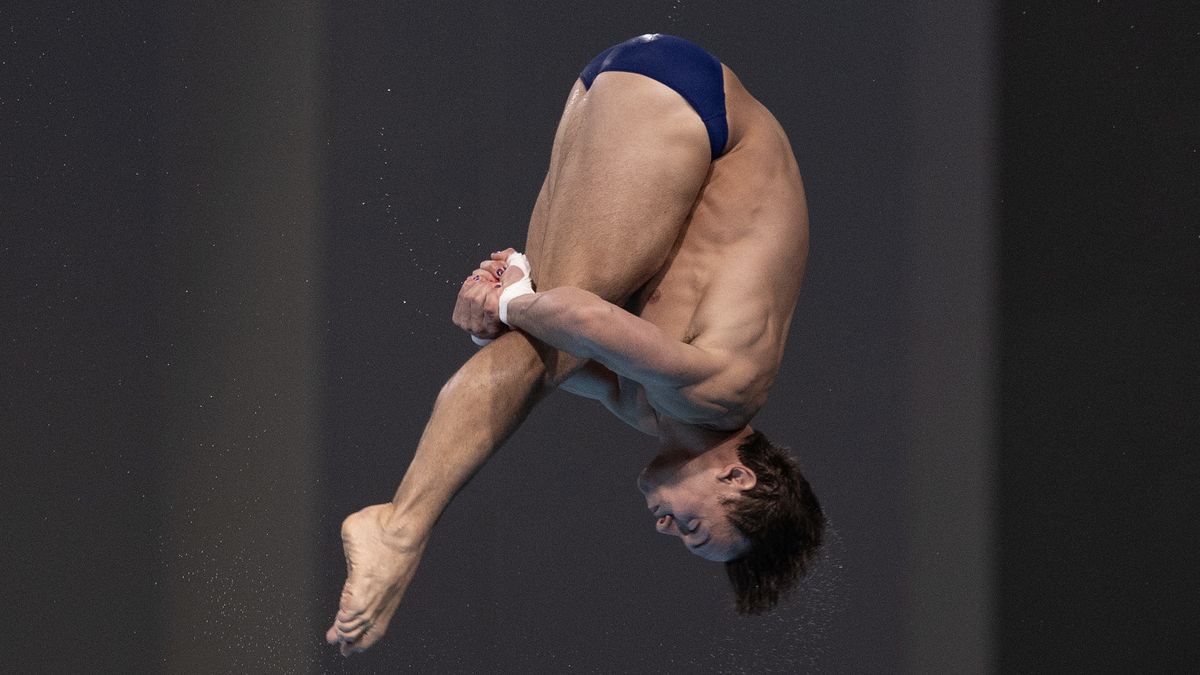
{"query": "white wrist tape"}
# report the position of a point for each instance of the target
(482, 342)
(522, 287)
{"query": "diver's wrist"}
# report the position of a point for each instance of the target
(517, 308)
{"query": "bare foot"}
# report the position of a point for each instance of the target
(379, 566)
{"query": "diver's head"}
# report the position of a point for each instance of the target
(687, 494)
(744, 502)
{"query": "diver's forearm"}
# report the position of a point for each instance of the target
(559, 317)
(477, 409)
(589, 327)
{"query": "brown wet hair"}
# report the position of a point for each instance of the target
(781, 518)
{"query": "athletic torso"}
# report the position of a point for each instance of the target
(732, 281)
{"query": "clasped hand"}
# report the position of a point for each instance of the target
(477, 309)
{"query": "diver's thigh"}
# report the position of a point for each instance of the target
(630, 157)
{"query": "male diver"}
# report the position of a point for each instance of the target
(667, 245)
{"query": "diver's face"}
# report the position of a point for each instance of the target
(686, 503)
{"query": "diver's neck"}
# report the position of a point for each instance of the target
(680, 438)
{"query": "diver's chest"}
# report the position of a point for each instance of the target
(672, 308)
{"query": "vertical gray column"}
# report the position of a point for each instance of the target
(241, 105)
(950, 267)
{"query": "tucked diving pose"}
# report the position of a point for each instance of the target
(667, 247)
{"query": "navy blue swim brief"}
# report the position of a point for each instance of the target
(679, 64)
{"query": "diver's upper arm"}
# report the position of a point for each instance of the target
(585, 325)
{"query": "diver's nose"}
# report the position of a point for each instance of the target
(664, 525)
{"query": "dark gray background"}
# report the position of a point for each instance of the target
(230, 244)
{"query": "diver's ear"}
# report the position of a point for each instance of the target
(739, 476)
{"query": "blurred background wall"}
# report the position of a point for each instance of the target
(229, 250)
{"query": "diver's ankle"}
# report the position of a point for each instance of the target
(400, 531)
